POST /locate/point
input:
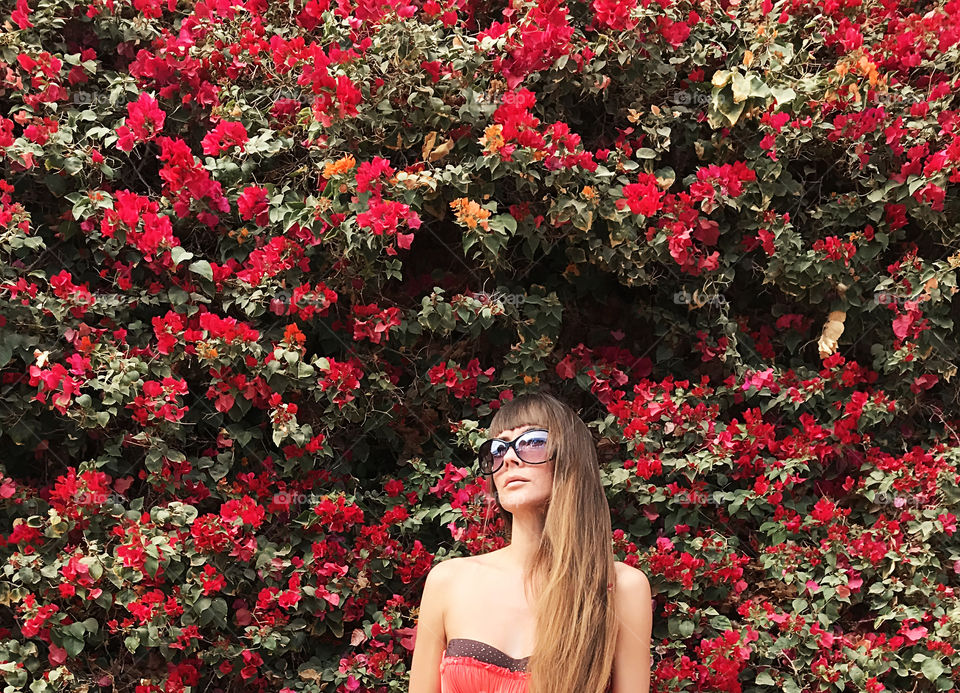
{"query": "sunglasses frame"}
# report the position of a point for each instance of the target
(511, 444)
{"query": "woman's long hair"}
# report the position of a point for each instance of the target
(571, 572)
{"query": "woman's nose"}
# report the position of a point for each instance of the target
(511, 455)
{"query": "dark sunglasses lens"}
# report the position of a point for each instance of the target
(486, 456)
(497, 449)
(532, 447)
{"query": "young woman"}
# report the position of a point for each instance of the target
(551, 612)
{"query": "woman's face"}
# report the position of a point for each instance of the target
(538, 478)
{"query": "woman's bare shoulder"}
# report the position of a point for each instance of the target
(450, 567)
(629, 576)
(447, 566)
(460, 569)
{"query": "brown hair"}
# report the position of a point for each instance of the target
(572, 573)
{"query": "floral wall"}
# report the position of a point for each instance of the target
(268, 268)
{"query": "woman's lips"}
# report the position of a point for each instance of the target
(515, 482)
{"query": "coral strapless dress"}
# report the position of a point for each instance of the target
(471, 666)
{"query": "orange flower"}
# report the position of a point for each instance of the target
(470, 213)
(293, 336)
(869, 69)
(241, 235)
(339, 166)
(206, 351)
(492, 139)
(589, 193)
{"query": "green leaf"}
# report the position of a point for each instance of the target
(72, 165)
(764, 678)
(724, 103)
(741, 87)
(665, 177)
(720, 78)
(73, 646)
(508, 222)
(202, 267)
(932, 668)
(180, 254)
(758, 87)
(783, 95)
(6, 353)
(76, 630)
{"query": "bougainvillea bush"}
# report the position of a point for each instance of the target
(269, 267)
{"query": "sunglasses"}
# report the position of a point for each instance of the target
(530, 446)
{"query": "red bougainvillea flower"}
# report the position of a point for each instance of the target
(252, 204)
(377, 323)
(144, 121)
(225, 135)
(144, 229)
(614, 14)
(344, 377)
(21, 14)
(384, 217)
(644, 197)
(280, 253)
(544, 35)
(187, 181)
(167, 330)
(729, 177)
(63, 287)
(462, 382)
(369, 172)
(153, 8)
(158, 401)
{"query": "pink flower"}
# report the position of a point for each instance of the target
(823, 511)
(253, 203)
(223, 136)
(914, 634)
(615, 14)
(21, 14)
(144, 121)
(645, 196)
